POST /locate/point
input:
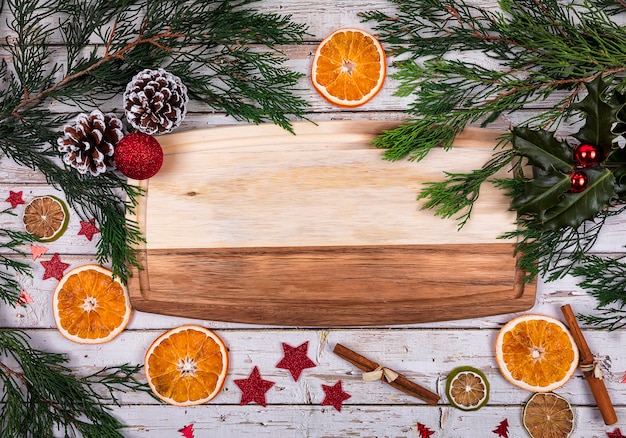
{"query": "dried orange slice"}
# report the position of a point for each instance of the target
(548, 415)
(349, 67)
(467, 388)
(90, 306)
(186, 366)
(536, 353)
(46, 218)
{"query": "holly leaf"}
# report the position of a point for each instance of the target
(620, 182)
(542, 149)
(541, 193)
(575, 208)
(600, 115)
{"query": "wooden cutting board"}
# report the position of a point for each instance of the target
(253, 224)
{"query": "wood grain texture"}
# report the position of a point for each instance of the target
(256, 225)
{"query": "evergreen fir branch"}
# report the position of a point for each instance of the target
(540, 47)
(41, 395)
(604, 279)
(458, 192)
(203, 42)
(608, 319)
(10, 267)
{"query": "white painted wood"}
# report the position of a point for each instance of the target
(424, 352)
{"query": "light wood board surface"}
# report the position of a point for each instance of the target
(254, 224)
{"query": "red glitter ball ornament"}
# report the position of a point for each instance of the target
(586, 155)
(138, 156)
(579, 182)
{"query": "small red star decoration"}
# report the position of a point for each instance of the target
(187, 431)
(615, 434)
(37, 251)
(503, 429)
(88, 229)
(423, 431)
(254, 388)
(15, 198)
(54, 267)
(335, 395)
(295, 359)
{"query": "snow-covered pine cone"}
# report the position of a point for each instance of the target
(155, 101)
(89, 143)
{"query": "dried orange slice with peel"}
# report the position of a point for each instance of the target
(187, 365)
(46, 218)
(536, 353)
(467, 388)
(349, 67)
(90, 306)
(548, 415)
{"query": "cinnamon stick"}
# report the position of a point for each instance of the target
(587, 362)
(401, 383)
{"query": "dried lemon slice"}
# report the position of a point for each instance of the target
(548, 415)
(46, 218)
(467, 388)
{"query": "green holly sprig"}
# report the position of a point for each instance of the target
(548, 196)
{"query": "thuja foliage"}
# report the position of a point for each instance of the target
(79, 55)
(205, 43)
(573, 53)
(41, 397)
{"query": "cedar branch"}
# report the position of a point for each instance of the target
(119, 54)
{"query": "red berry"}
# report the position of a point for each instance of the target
(586, 155)
(138, 156)
(579, 182)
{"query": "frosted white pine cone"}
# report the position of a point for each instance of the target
(88, 144)
(155, 101)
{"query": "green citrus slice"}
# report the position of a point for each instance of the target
(467, 388)
(548, 414)
(46, 218)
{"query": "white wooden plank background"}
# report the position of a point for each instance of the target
(425, 352)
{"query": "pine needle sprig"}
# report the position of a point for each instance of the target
(42, 396)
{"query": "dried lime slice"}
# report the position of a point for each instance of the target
(46, 218)
(548, 414)
(467, 388)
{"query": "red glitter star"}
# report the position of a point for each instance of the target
(295, 359)
(88, 229)
(615, 434)
(335, 395)
(254, 388)
(15, 198)
(54, 267)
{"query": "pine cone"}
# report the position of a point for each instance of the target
(88, 145)
(155, 101)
